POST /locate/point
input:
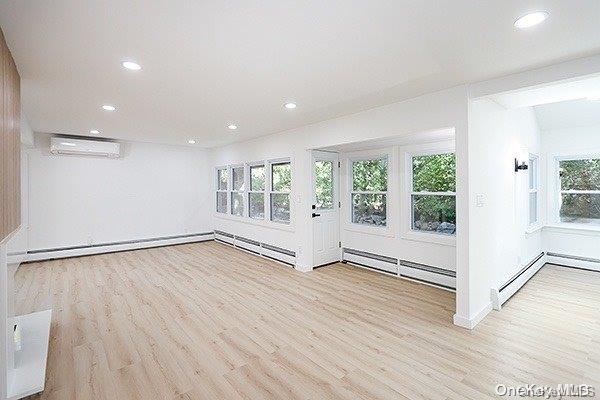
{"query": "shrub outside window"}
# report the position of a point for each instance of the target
(237, 194)
(579, 198)
(433, 193)
(279, 195)
(256, 195)
(222, 186)
(369, 191)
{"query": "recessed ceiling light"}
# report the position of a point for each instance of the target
(531, 19)
(290, 105)
(133, 66)
(108, 107)
(94, 131)
(232, 127)
(191, 141)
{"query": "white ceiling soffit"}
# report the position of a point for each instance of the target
(400, 140)
(558, 92)
(207, 64)
(568, 114)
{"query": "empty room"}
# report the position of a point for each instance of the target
(299, 199)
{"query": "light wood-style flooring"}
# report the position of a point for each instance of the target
(206, 321)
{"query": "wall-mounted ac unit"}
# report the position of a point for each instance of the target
(61, 145)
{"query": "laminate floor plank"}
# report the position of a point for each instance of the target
(207, 321)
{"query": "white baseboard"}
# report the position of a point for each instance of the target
(108, 248)
(574, 262)
(471, 322)
(501, 294)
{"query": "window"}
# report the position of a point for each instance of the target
(324, 184)
(256, 195)
(222, 183)
(579, 200)
(533, 189)
(237, 194)
(369, 191)
(433, 193)
(279, 196)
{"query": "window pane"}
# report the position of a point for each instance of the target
(222, 202)
(532, 173)
(280, 207)
(434, 213)
(369, 209)
(324, 184)
(532, 208)
(257, 205)
(222, 179)
(369, 175)
(237, 204)
(281, 177)
(434, 173)
(580, 208)
(238, 178)
(580, 174)
(257, 177)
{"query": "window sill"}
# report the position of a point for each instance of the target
(437, 238)
(256, 222)
(533, 229)
(384, 231)
(573, 228)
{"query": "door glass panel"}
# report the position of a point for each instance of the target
(324, 184)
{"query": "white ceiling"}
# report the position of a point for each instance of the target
(209, 63)
(568, 114)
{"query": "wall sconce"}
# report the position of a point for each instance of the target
(520, 167)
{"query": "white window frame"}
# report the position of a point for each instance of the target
(377, 155)
(270, 190)
(558, 192)
(534, 162)
(263, 192)
(226, 190)
(407, 231)
(241, 192)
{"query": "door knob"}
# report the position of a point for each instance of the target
(315, 215)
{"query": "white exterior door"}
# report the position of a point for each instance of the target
(325, 208)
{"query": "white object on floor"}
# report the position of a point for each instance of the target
(29, 374)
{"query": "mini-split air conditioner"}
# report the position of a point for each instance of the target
(61, 145)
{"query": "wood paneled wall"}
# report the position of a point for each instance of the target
(10, 139)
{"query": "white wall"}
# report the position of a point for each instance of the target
(496, 137)
(152, 191)
(563, 239)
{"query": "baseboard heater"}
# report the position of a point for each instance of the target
(266, 250)
(427, 274)
(565, 260)
(110, 247)
(516, 282)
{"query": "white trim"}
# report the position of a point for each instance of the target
(471, 322)
(534, 161)
(109, 248)
(498, 297)
(569, 262)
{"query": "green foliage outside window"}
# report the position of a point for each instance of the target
(434, 173)
(324, 184)
(281, 177)
(257, 178)
(583, 175)
(369, 175)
